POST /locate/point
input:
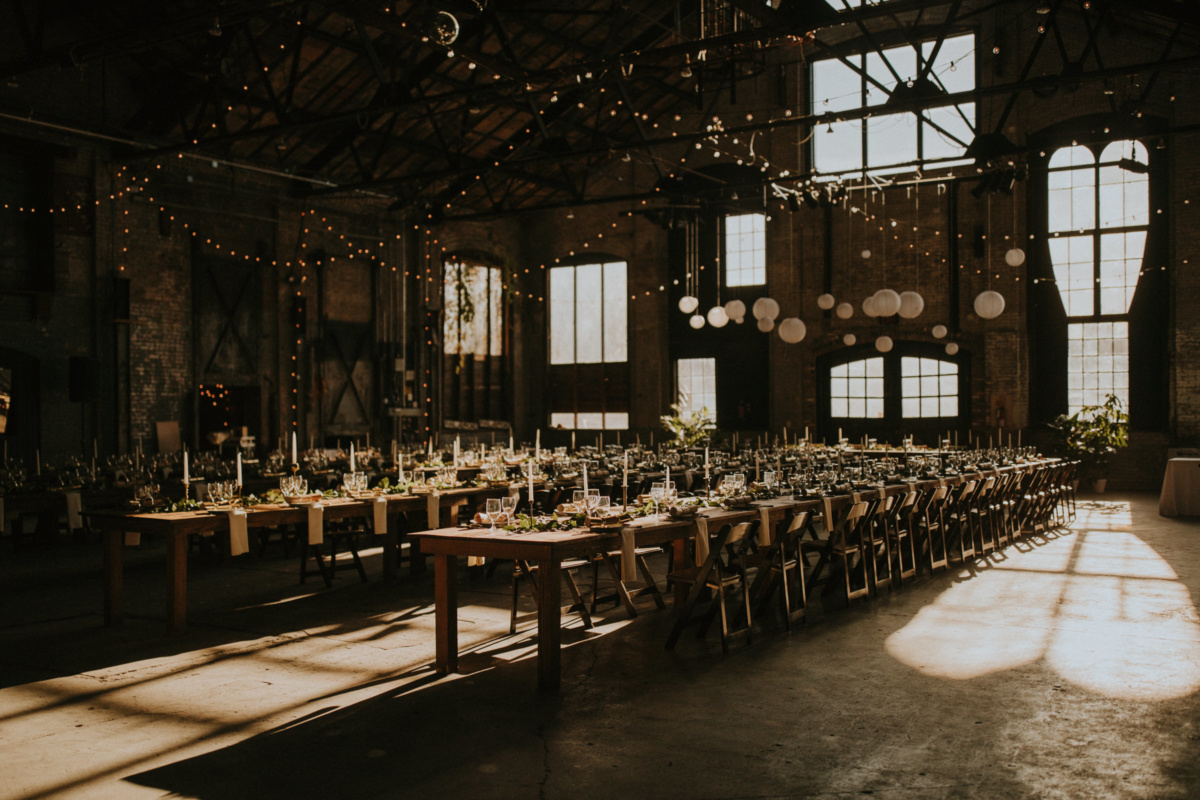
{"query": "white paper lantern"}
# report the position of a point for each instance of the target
(1014, 257)
(883, 344)
(792, 330)
(696, 321)
(939, 331)
(738, 320)
(989, 304)
(849, 339)
(735, 309)
(766, 325)
(951, 348)
(688, 304)
(717, 317)
(866, 253)
(765, 307)
(911, 305)
(825, 301)
(845, 310)
(887, 303)
(868, 307)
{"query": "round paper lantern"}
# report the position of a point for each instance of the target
(766, 325)
(696, 321)
(849, 339)
(887, 303)
(688, 304)
(989, 304)
(735, 309)
(825, 301)
(1014, 257)
(765, 307)
(868, 307)
(845, 310)
(911, 305)
(883, 344)
(717, 317)
(939, 331)
(951, 348)
(792, 330)
(866, 253)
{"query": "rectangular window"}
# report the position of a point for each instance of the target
(696, 384)
(882, 142)
(588, 314)
(1097, 363)
(474, 318)
(928, 387)
(746, 250)
(590, 421)
(856, 389)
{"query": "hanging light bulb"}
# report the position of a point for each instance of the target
(792, 330)
(849, 339)
(939, 331)
(989, 304)
(688, 304)
(826, 301)
(911, 305)
(845, 311)
(696, 321)
(717, 317)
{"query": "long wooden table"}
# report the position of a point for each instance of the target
(176, 527)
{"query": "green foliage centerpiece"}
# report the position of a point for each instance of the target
(689, 429)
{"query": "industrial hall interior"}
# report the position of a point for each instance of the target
(597, 399)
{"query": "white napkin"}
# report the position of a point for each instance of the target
(74, 522)
(701, 540)
(316, 523)
(380, 507)
(432, 509)
(828, 515)
(239, 537)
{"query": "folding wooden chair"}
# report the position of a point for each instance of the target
(903, 550)
(780, 572)
(843, 548)
(723, 570)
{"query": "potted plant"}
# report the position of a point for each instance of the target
(1091, 435)
(689, 429)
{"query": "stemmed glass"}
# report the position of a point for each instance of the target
(592, 501)
(579, 500)
(492, 511)
(796, 480)
(508, 506)
(658, 490)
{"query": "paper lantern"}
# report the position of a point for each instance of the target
(735, 310)
(849, 339)
(766, 325)
(792, 330)
(883, 344)
(717, 317)
(1014, 257)
(688, 304)
(911, 305)
(866, 253)
(939, 331)
(868, 307)
(989, 304)
(696, 321)
(765, 307)
(951, 348)
(845, 310)
(887, 303)
(825, 301)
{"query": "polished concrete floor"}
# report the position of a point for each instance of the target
(1068, 667)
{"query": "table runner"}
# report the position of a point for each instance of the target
(239, 537)
(432, 505)
(316, 524)
(74, 502)
(380, 508)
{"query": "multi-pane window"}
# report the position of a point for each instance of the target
(588, 323)
(881, 141)
(696, 383)
(746, 250)
(928, 387)
(593, 420)
(856, 389)
(1098, 216)
(474, 322)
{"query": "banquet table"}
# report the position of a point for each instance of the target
(1180, 496)
(176, 527)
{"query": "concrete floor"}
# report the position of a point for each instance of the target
(1069, 668)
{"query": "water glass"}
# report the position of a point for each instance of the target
(492, 510)
(508, 505)
(579, 500)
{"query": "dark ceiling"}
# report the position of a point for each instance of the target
(528, 104)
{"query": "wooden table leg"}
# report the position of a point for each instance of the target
(176, 584)
(445, 594)
(549, 625)
(113, 577)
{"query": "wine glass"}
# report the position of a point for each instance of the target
(492, 511)
(508, 506)
(592, 501)
(579, 500)
(657, 490)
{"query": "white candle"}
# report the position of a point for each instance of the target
(185, 468)
(625, 474)
(294, 460)
(585, 479)
(757, 467)
(37, 455)
(456, 452)
(430, 443)
(95, 450)
(93, 468)
(668, 483)
(839, 435)
(510, 442)
(806, 433)
(537, 444)
(352, 456)
(572, 441)
(239, 467)
(1018, 437)
(532, 465)
(785, 435)
(706, 456)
